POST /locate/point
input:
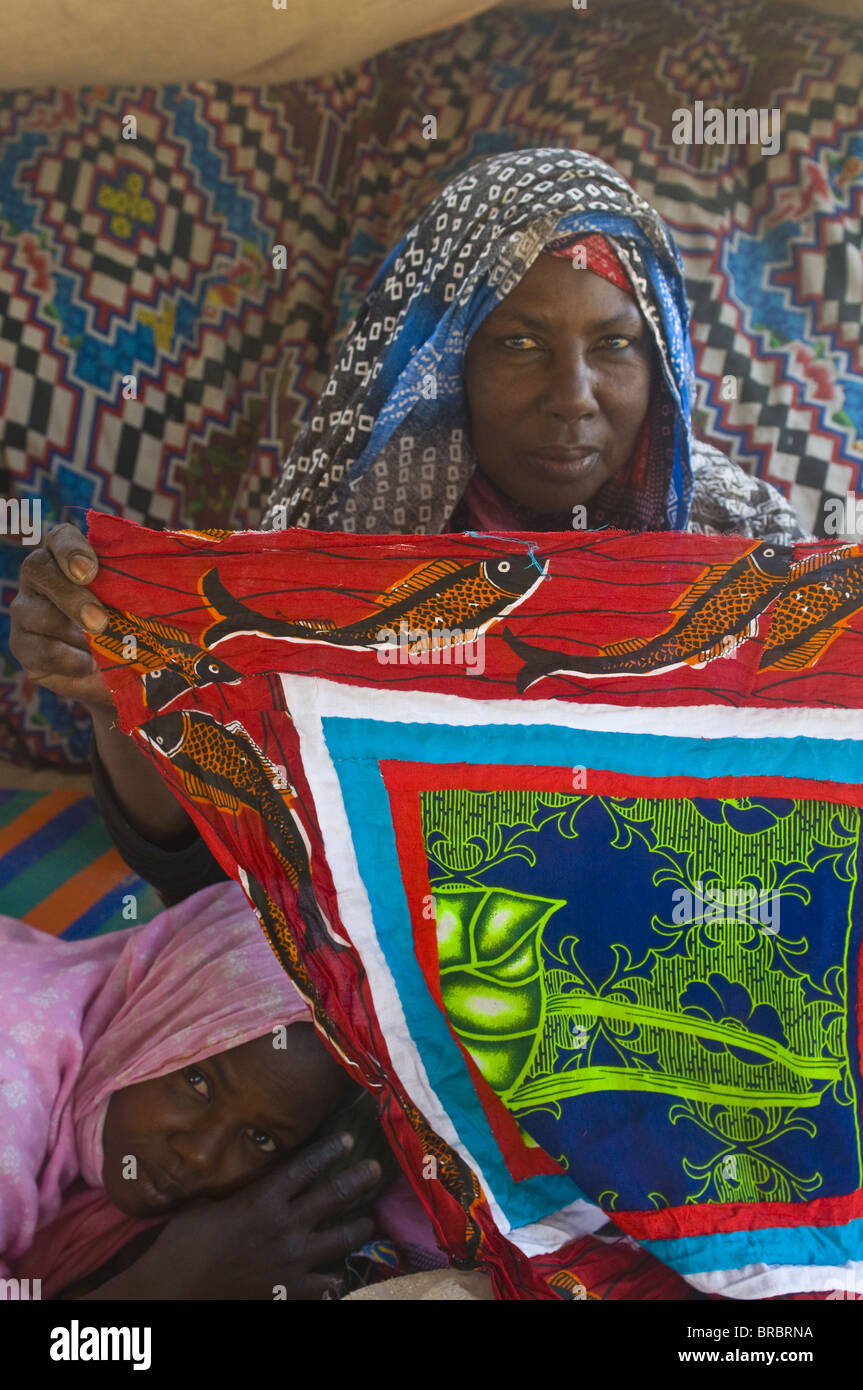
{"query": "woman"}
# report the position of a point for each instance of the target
(426, 401)
(147, 1073)
(434, 420)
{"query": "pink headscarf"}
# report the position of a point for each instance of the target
(80, 1020)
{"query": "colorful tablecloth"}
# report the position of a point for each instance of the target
(561, 836)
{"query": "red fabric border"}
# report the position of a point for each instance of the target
(408, 776)
(672, 1223)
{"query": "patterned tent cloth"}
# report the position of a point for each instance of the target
(152, 257)
(561, 838)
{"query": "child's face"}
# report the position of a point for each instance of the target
(209, 1128)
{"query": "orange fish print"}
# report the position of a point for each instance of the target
(718, 612)
(223, 766)
(213, 533)
(169, 663)
(446, 595)
(824, 591)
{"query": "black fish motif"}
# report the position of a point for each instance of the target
(823, 592)
(222, 765)
(456, 600)
(169, 663)
(278, 932)
(718, 612)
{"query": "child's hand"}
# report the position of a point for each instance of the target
(261, 1239)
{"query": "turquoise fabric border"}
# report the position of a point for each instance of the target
(775, 1245)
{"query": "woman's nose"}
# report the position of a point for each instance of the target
(570, 390)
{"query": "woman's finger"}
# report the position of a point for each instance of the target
(74, 554)
(331, 1195)
(41, 574)
(38, 616)
(46, 657)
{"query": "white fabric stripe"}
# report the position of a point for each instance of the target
(543, 1237)
(766, 1281)
(689, 721)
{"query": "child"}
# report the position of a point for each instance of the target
(152, 1084)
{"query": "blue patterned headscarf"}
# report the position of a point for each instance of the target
(388, 447)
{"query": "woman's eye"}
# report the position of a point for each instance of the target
(197, 1080)
(263, 1141)
(519, 338)
(616, 342)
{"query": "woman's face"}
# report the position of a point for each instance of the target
(563, 362)
(209, 1128)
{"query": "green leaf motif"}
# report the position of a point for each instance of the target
(491, 976)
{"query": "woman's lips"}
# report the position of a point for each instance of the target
(555, 463)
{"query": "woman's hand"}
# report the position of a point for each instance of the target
(50, 611)
(52, 607)
(259, 1241)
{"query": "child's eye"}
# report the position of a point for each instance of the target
(197, 1080)
(263, 1141)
